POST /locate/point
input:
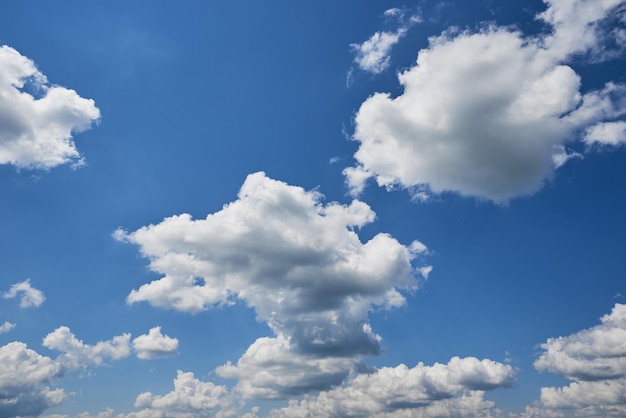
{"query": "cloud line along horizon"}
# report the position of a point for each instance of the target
(409, 209)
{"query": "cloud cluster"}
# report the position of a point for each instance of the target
(29, 296)
(595, 360)
(419, 391)
(77, 354)
(154, 344)
(298, 263)
(489, 114)
(26, 376)
(37, 120)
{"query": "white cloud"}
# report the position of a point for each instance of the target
(484, 114)
(272, 368)
(30, 297)
(297, 262)
(595, 360)
(190, 398)
(419, 391)
(154, 344)
(373, 54)
(606, 133)
(77, 354)
(592, 354)
(36, 128)
(6, 327)
(24, 381)
(26, 376)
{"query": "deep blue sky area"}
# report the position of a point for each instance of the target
(501, 150)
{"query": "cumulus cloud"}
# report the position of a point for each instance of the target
(154, 344)
(190, 398)
(77, 354)
(25, 377)
(373, 54)
(37, 120)
(489, 113)
(272, 369)
(411, 392)
(595, 360)
(6, 327)
(29, 296)
(297, 262)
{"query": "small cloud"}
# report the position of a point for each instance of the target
(154, 344)
(29, 296)
(373, 54)
(6, 327)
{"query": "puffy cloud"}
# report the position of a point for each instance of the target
(593, 354)
(24, 381)
(6, 327)
(488, 114)
(373, 54)
(595, 359)
(299, 263)
(29, 296)
(37, 120)
(25, 375)
(437, 390)
(77, 354)
(271, 368)
(154, 344)
(606, 133)
(190, 398)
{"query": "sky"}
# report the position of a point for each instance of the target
(401, 208)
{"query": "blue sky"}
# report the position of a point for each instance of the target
(313, 209)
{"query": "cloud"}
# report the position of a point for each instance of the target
(488, 113)
(373, 54)
(37, 120)
(297, 262)
(77, 354)
(272, 369)
(595, 360)
(6, 327)
(24, 381)
(154, 344)
(419, 391)
(30, 297)
(606, 133)
(190, 398)
(26, 376)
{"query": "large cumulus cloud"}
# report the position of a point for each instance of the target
(491, 113)
(37, 120)
(298, 262)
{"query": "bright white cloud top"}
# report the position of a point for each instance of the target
(37, 120)
(488, 113)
